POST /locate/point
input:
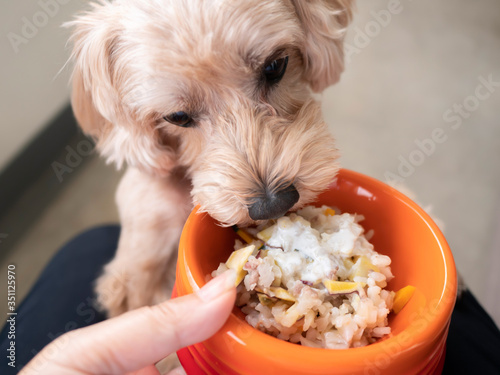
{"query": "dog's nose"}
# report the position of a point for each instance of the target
(273, 205)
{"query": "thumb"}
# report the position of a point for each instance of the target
(144, 336)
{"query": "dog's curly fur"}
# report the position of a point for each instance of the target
(136, 61)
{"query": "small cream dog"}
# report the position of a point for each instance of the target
(208, 102)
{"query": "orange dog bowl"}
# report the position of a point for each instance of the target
(420, 257)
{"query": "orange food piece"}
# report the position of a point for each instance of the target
(402, 297)
(330, 212)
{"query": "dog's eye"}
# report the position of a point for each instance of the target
(274, 71)
(180, 118)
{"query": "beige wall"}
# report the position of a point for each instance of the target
(32, 51)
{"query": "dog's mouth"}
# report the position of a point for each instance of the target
(257, 169)
(273, 204)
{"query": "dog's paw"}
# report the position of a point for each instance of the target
(112, 292)
(120, 289)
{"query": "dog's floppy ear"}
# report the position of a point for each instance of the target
(324, 23)
(94, 98)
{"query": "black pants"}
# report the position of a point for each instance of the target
(63, 299)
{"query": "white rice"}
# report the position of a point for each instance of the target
(300, 252)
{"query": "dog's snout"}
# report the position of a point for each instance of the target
(272, 205)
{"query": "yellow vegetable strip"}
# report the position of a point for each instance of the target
(247, 238)
(282, 293)
(341, 287)
(244, 235)
(402, 297)
(237, 261)
(266, 234)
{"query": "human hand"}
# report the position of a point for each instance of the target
(134, 341)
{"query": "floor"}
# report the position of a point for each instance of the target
(414, 106)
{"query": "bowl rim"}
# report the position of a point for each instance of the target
(437, 317)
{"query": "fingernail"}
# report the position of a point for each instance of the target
(218, 286)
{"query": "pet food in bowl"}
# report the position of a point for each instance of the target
(313, 278)
(401, 230)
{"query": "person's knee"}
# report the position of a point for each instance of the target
(95, 246)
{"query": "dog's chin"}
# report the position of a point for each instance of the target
(238, 217)
(231, 212)
(227, 215)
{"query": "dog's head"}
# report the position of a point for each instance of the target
(220, 87)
